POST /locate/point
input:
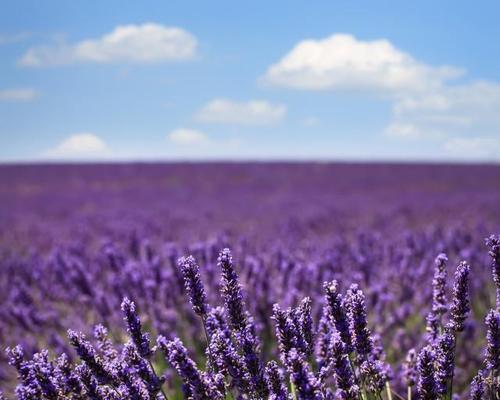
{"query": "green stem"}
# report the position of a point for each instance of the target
(294, 393)
(154, 372)
(388, 388)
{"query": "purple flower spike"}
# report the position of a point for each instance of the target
(426, 388)
(337, 313)
(477, 388)
(493, 340)
(358, 324)
(88, 354)
(445, 361)
(193, 285)
(231, 291)
(306, 384)
(134, 328)
(439, 304)
(275, 383)
(410, 368)
(342, 369)
(493, 242)
(460, 307)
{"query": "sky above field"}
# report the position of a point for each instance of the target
(287, 80)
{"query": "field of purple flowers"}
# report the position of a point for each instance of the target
(250, 281)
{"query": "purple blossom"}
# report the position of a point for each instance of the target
(439, 303)
(358, 324)
(461, 306)
(87, 353)
(410, 368)
(231, 291)
(445, 360)
(493, 340)
(426, 387)
(275, 382)
(477, 388)
(193, 285)
(342, 368)
(134, 328)
(307, 386)
(493, 242)
(337, 312)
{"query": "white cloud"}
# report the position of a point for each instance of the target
(79, 145)
(465, 110)
(403, 130)
(186, 136)
(342, 62)
(18, 94)
(487, 148)
(253, 112)
(146, 43)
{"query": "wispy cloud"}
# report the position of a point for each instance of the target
(79, 146)
(185, 136)
(252, 112)
(14, 37)
(484, 148)
(146, 43)
(18, 94)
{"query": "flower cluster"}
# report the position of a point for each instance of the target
(338, 358)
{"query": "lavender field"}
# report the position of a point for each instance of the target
(250, 281)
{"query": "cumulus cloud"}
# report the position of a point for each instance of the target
(79, 145)
(146, 43)
(186, 136)
(253, 112)
(18, 94)
(342, 62)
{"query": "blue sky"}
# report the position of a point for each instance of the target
(332, 80)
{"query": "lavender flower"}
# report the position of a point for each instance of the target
(143, 368)
(439, 304)
(88, 354)
(305, 323)
(285, 332)
(275, 384)
(193, 285)
(493, 340)
(374, 375)
(344, 375)
(324, 336)
(410, 368)
(307, 386)
(477, 388)
(494, 244)
(177, 356)
(445, 361)
(357, 321)
(337, 313)
(231, 291)
(427, 387)
(229, 361)
(460, 307)
(104, 344)
(134, 328)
